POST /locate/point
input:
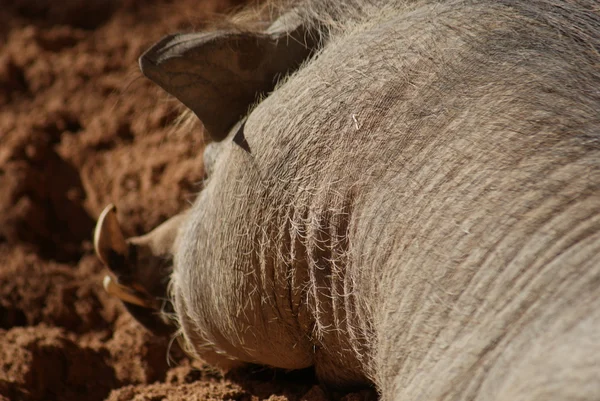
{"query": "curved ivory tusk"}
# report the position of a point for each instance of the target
(109, 242)
(124, 293)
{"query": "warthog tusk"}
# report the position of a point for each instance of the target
(124, 293)
(109, 242)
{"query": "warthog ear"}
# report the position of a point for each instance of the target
(218, 75)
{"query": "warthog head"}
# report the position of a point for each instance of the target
(218, 75)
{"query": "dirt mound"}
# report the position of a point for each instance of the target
(80, 128)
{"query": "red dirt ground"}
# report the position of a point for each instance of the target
(80, 128)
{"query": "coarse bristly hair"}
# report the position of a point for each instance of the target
(425, 192)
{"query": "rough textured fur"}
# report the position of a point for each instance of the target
(420, 208)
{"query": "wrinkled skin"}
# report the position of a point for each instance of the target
(417, 206)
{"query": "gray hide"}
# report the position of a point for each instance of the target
(417, 206)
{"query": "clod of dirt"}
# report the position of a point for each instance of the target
(34, 291)
(40, 362)
(41, 200)
(86, 14)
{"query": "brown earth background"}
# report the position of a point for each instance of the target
(80, 128)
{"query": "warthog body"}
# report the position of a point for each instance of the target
(416, 206)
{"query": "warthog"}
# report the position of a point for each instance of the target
(402, 193)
